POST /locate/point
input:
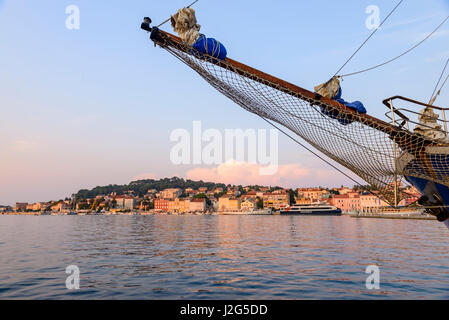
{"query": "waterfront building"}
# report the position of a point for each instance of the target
(303, 201)
(178, 205)
(60, 207)
(347, 202)
(20, 206)
(250, 195)
(314, 194)
(38, 206)
(120, 202)
(229, 204)
(161, 204)
(5, 209)
(125, 202)
(129, 203)
(197, 205)
(276, 200)
(171, 193)
(248, 205)
(370, 202)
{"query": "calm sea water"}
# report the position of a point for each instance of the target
(222, 257)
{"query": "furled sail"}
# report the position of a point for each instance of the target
(369, 147)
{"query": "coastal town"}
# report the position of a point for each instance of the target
(209, 200)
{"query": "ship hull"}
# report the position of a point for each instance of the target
(435, 195)
(300, 210)
(329, 213)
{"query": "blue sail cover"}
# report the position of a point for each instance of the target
(335, 114)
(356, 105)
(211, 47)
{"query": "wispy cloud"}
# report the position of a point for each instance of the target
(23, 146)
(410, 21)
(402, 70)
(439, 34)
(438, 56)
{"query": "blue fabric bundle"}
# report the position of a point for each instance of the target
(335, 114)
(209, 46)
(356, 105)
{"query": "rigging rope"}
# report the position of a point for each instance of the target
(170, 17)
(399, 56)
(435, 96)
(370, 36)
(308, 149)
(319, 157)
(363, 144)
(324, 160)
(443, 84)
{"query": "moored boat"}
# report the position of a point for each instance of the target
(311, 209)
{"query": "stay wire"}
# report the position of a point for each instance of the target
(370, 36)
(399, 56)
(160, 25)
(319, 157)
(439, 80)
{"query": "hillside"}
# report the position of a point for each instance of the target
(141, 187)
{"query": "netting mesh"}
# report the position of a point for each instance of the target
(379, 153)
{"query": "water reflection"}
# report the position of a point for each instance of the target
(222, 257)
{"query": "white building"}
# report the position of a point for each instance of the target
(125, 202)
(197, 205)
(172, 193)
(248, 205)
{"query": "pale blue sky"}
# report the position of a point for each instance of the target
(96, 105)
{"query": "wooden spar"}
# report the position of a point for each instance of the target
(291, 89)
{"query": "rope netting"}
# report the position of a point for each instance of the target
(378, 152)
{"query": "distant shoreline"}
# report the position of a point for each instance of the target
(378, 215)
(395, 216)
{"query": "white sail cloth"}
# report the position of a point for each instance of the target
(184, 23)
(328, 89)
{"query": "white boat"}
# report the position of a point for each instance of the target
(311, 209)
